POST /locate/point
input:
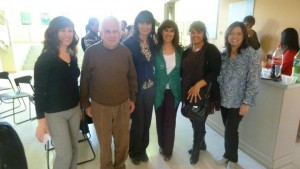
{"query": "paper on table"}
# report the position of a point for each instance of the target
(265, 73)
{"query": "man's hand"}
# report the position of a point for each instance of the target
(132, 106)
(88, 111)
(250, 33)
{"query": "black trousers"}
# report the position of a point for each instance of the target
(141, 121)
(198, 127)
(199, 132)
(231, 120)
(166, 122)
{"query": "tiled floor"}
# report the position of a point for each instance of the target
(36, 154)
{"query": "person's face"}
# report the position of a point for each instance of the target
(144, 28)
(196, 36)
(95, 27)
(65, 36)
(111, 34)
(248, 25)
(168, 35)
(236, 37)
(123, 26)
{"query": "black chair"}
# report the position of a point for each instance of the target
(19, 95)
(5, 76)
(84, 128)
(6, 86)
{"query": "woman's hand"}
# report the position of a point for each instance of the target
(244, 109)
(41, 130)
(193, 93)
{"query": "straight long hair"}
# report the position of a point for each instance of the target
(200, 27)
(144, 17)
(245, 42)
(289, 39)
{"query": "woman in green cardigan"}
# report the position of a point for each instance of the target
(167, 65)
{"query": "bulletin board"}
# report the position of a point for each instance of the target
(25, 18)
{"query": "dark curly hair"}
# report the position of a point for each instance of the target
(159, 37)
(51, 42)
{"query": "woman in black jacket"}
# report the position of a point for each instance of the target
(56, 91)
(200, 65)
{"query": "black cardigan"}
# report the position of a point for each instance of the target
(56, 84)
(210, 67)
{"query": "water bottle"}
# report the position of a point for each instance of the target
(276, 64)
(296, 67)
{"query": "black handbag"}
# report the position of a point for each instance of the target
(197, 112)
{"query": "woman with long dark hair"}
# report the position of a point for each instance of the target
(56, 91)
(239, 81)
(141, 44)
(289, 43)
(167, 65)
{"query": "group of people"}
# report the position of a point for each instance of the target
(289, 44)
(123, 81)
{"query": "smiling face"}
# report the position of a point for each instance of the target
(196, 36)
(65, 36)
(111, 33)
(236, 37)
(168, 35)
(144, 28)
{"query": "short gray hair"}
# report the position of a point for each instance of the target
(110, 19)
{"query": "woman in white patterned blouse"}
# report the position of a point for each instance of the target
(239, 81)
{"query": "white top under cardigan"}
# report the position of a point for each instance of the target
(170, 64)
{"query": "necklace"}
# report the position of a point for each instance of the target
(145, 51)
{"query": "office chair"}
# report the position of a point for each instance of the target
(19, 95)
(6, 86)
(84, 128)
